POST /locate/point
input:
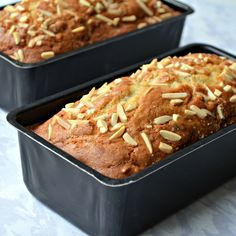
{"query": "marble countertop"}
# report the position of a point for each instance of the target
(213, 215)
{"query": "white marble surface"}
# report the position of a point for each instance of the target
(213, 215)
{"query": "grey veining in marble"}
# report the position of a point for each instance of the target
(213, 215)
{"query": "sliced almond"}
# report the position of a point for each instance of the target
(21, 55)
(23, 18)
(219, 110)
(78, 29)
(118, 133)
(105, 19)
(74, 111)
(189, 112)
(162, 120)
(62, 123)
(143, 6)
(199, 112)
(176, 101)
(49, 131)
(114, 119)
(16, 37)
(181, 73)
(85, 3)
(227, 88)
(129, 18)
(166, 148)
(217, 92)
(47, 55)
(233, 99)
(174, 95)
(101, 117)
(176, 117)
(128, 139)
(147, 142)
(117, 126)
(211, 95)
(102, 125)
(121, 113)
(168, 135)
(49, 33)
(130, 107)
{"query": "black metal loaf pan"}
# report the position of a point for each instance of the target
(107, 207)
(24, 83)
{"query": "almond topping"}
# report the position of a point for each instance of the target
(141, 25)
(102, 125)
(176, 101)
(162, 120)
(101, 117)
(199, 112)
(227, 88)
(233, 99)
(12, 29)
(130, 107)
(147, 142)
(174, 95)
(128, 139)
(121, 113)
(20, 54)
(118, 133)
(74, 111)
(181, 73)
(47, 55)
(62, 122)
(189, 112)
(49, 131)
(217, 92)
(114, 119)
(168, 135)
(49, 33)
(143, 6)
(23, 18)
(105, 19)
(79, 29)
(211, 95)
(16, 37)
(129, 18)
(220, 112)
(85, 3)
(117, 126)
(176, 117)
(166, 148)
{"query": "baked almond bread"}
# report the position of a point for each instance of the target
(127, 125)
(35, 30)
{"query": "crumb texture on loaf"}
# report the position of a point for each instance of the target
(127, 125)
(35, 30)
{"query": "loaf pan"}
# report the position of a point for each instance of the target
(103, 206)
(24, 83)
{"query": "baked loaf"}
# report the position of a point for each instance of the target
(135, 121)
(34, 30)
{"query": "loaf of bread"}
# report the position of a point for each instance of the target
(35, 30)
(135, 121)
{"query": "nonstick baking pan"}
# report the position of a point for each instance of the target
(103, 206)
(24, 83)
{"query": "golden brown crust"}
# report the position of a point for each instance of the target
(34, 30)
(133, 122)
